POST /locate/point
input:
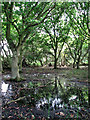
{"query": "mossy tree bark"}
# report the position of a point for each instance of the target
(15, 66)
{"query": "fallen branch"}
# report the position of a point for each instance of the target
(21, 98)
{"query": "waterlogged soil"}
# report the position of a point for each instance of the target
(46, 94)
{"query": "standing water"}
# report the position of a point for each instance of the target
(45, 96)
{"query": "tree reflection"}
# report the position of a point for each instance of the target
(55, 95)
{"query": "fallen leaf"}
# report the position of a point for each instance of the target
(82, 109)
(57, 113)
(72, 115)
(62, 114)
(10, 117)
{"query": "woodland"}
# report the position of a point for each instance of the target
(45, 60)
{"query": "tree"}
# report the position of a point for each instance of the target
(57, 28)
(20, 19)
(77, 48)
(79, 21)
(89, 74)
(89, 62)
(0, 43)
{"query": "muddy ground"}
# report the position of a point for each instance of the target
(45, 94)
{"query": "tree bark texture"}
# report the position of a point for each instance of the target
(15, 66)
(89, 63)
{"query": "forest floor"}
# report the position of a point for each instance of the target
(66, 72)
(46, 94)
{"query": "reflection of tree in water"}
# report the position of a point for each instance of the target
(64, 92)
(54, 93)
(50, 97)
(55, 90)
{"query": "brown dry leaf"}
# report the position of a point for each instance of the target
(62, 114)
(72, 115)
(57, 113)
(82, 109)
(43, 118)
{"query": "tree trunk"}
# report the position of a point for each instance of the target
(15, 66)
(63, 60)
(41, 62)
(74, 59)
(89, 74)
(20, 65)
(89, 63)
(74, 63)
(20, 60)
(55, 63)
(77, 65)
(55, 58)
(78, 61)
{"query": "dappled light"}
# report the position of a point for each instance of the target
(44, 60)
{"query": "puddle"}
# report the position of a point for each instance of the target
(53, 95)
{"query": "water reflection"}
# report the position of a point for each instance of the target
(56, 95)
(53, 95)
(4, 87)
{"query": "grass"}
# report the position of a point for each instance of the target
(77, 73)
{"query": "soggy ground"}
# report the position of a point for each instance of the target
(46, 94)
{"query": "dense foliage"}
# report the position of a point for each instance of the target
(45, 33)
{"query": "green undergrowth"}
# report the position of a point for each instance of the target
(77, 73)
